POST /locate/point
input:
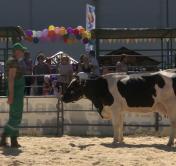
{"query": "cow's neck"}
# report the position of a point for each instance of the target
(89, 92)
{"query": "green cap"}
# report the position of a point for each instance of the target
(19, 46)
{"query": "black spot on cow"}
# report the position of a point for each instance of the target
(140, 91)
(174, 84)
(98, 92)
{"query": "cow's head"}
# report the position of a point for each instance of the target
(95, 90)
(74, 91)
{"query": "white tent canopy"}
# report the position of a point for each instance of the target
(54, 58)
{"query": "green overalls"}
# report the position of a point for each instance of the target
(16, 108)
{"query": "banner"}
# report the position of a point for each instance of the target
(90, 17)
(90, 23)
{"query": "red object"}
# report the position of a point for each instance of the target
(51, 34)
(76, 31)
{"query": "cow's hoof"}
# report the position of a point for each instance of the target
(170, 144)
(116, 142)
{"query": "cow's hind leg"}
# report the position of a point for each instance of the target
(117, 122)
(172, 133)
(172, 118)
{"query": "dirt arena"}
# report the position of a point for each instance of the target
(92, 151)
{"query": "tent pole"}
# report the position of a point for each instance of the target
(97, 48)
(171, 52)
(162, 55)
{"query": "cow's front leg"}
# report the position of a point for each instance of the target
(117, 122)
(172, 118)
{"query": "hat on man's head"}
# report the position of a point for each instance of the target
(19, 46)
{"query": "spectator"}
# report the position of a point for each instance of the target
(41, 69)
(84, 64)
(94, 63)
(47, 86)
(28, 79)
(65, 70)
(121, 66)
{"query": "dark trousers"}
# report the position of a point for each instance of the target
(28, 82)
(40, 82)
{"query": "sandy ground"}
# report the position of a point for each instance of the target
(89, 151)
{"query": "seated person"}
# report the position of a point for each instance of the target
(85, 65)
(47, 86)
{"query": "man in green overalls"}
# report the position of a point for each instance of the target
(15, 69)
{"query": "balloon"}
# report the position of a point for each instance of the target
(66, 36)
(73, 40)
(57, 30)
(80, 27)
(51, 28)
(84, 34)
(81, 30)
(44, 38)
(78, 37)
(51, 34)
(29, 38)
(34, 34)
(29, 33)
(62, 31)
(76, 32)
(45, 33)
(39, 34)
(88, 35)
(85, 40)
(35, 40)
(91, 42)
(65, 40)
(69, 30)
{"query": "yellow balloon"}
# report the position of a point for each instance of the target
(82, 30)
(51, 28)
(85, 34)
(88, 35)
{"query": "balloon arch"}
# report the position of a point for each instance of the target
(52, 33)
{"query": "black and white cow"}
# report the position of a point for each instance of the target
(113, 94)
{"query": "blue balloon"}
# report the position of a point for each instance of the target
(35, 40)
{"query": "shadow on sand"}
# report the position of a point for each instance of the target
(124, 145)
(81, 147)
(8, 151)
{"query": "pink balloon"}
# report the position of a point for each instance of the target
(57, 30)
(45, 33)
